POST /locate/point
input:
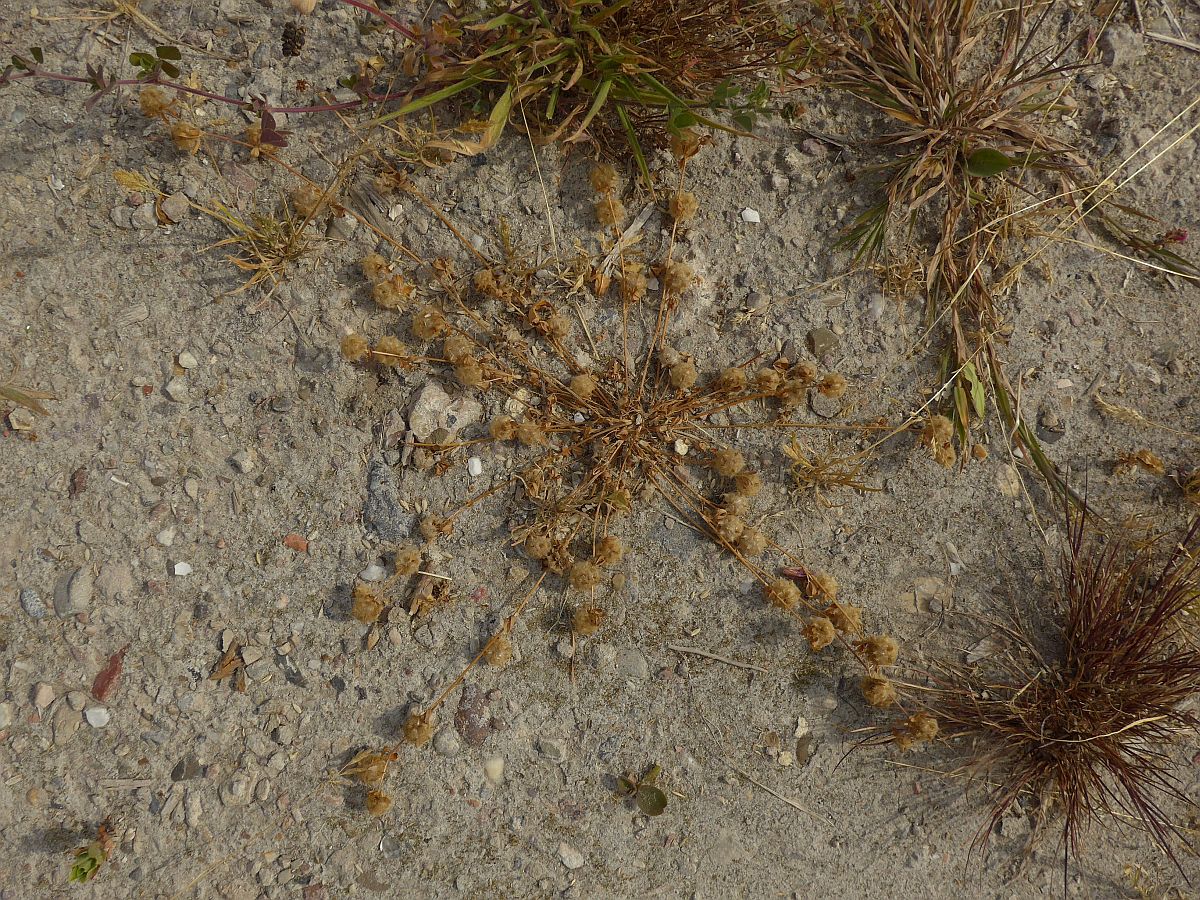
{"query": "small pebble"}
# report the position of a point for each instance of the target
(571, 858)
(175, 208)
(752, 217)
(191, 487)
(98, 716)
(6, 715)
(373, 572)
(176, 389)
(876, 307)
(166, 537)
(43, 695)
(187, 360)
(182, 568)
(493, 768)
(31, 602)
(243, 461)
(474, 467)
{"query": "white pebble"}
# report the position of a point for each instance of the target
(373, 572)
(877, 307)
(166, 537)
(474, 466)
(493, 768)
(182, 568)
(682, 448)
(571, 858)
(578, 418)
(751, 216)
(98, 716)
(187, 360)
(243, 460)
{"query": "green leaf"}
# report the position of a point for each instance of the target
(651, 800)
(682, 118)
(168, 53)
(170, 70)
(978, 396)
(986, 162)
(36, 53)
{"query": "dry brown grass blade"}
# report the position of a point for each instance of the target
(28, 397)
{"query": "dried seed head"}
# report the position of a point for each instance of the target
(619, 501)
(428, 323)
(916, 729)
(683, 375)
(499, 650)
(937, 430)
(560, 560)
(728, 462)
(557, 327)
(768, 381)
(186, 137)
(610, 551)
(683, 206)
(832, 385)
(486, 283)
(821, 584)
(752, 542)
(677, 276)
(408, 560)
(368, 766)
(819, 632)
(583, 386)
(469, 372)
(390, 351)
(585, 576)
(456, 348)
(633, 280)
(845, 618)
(355, 347)
(732, 379)
(531, 434)
(792, 393)
(378, 803)
(748, 484)
(804, 372)
(878, 650)
(374, 267)
(668, 356)
(392, 293)
(418, 729)
(878, 691)
(729, 528)
(610, 211)
(304, 7)
(154, 101)
(945, 455)
(685, 144)
(603, 179)
(538, 546)
(503, 428)
(735, 504)
(979, 452)
(367, 607)
(307, 199)
(782, 593)
(587, 620)
(432, 527)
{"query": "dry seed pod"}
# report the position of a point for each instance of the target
(619, 501)
(735, 504)
(557, 327)
(392, 293)
(878, 691)
(603, 179)
(676, 276)
(369, 766)
(821, 584)
(378, 803)
(389, 351)
(916, 729)
(432, 527)
(374, 267)
(308, 199)
(945, 456)
(186, 137)
(560, 560)
(669, 356)
(845, 618)
(408, 560)
(154, 101)
(633, 281)
(531, 434)
(748, 484)
(583, 386)
(768, 381)
(499, 650)
(428, 323)
(683, 375)
(486, 283)
(304, 7)
(729, 528)
(367, 606)
(819, 632)
(683, 206)
(456, 348)
(538, 546)
(804, 372)
(732, 379)
(782, 593)
(937, 430)
(878, 650)
(469, 372)
(832, 385)
(585, 576)
(611, 550)
(728, 463)
(792, 393)
(751, 542)
(685, 144)
(610, 211)
(587, 620)
(503, 428)
(355, 347)
(418, 728)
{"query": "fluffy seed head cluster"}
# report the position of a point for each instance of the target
(186, 137)
(154, 101)
(783, 593)
(587, 620)
(683, 206)
(938, 435)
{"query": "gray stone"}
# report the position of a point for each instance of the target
(631, 664)
(426, 410)
(176, 389)
(552, 748)
(73, 593)
(822, 341)
(175, 208)
(32, 603)
(1120, 44)
(243, 461)
(382, 512)
(571, 858)
(446, 742)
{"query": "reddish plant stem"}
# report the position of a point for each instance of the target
(391, 23)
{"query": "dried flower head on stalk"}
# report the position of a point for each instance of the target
(1081, 721)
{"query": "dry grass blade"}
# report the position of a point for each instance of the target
(24, 396)
(1082, 722)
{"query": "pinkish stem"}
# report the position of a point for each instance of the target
(392, 23)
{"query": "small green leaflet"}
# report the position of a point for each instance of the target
(978, 396)
(986, 162)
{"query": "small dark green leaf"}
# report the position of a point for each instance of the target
(683, 118)
(36, 53)
(651, 800)
(986, 162)
(170, 69)
(168, 53)
(19, 63)
(744, 120)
